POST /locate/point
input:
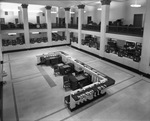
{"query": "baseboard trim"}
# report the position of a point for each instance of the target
(115, 63)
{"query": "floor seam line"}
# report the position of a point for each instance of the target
(15, 103)
(115, 66)
(13, 90)
(50, 114)
(146, 81)
(122, 81)
(26, 76)
(15, 82)
(10, 68)
(127, 86)
(92, 61)
(101, 100)
(105, 62)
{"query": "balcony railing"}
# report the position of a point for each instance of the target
(91, 27)
(37, 26)
(73, 26)
(55, 25)
(11, 26)
(127, 30)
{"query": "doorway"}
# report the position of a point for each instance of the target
(71, 20)
(38, 19)
(77, 20)
(16, 21)
(138, 20)
(89, 19)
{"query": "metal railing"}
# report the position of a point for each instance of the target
(55, 25)
(127, 30)
(11, 26)
(37, 26)
(73, 26)
(91, 27)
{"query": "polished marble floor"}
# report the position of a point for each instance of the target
(28, 96)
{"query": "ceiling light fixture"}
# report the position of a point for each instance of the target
(72, 12)
(97, 2)
(35, 32)
(135, 5)
(11, 34)
(99, 9)
(53, 12)
(54, 31)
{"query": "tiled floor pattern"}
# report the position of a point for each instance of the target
(28, 96)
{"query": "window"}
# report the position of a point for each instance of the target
(6, 13)
(2, 21)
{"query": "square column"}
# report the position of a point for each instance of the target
(26, 25)
(49, 26)
(20, 15)
(145, 56)
(1, 60)
(67, 20)
(104, 23)
(1, 57)
(80, 21)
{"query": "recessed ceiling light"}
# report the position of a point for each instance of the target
(98, 2)
(35, 32)
(54, 31)
(99, 9)
(53, 12)
(136, 5)
(11, 34)
(72, 12)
